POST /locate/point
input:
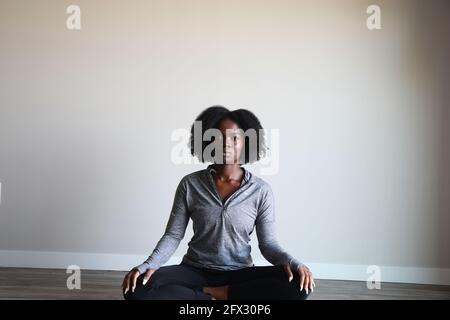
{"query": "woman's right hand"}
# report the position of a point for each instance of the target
(130, 279)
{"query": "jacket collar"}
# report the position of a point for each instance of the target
(248, 176)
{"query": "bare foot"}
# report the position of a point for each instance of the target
(218, 293)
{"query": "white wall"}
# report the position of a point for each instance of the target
(86, 118)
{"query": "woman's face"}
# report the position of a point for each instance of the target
(233, 141)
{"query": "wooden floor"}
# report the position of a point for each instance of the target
(22, 283)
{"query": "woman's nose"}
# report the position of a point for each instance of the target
(229, 142)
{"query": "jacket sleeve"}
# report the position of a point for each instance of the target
(266, 232)
(174, 232)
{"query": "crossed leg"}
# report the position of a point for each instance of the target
(175, 282)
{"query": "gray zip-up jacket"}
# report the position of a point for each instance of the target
(221, 230)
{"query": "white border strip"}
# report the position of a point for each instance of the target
(122, 262)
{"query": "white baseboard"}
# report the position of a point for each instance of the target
(122, 262)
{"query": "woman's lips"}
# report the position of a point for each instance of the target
(227, 155)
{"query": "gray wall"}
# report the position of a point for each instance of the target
(86, 118)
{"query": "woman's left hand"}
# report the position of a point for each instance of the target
(305, 275)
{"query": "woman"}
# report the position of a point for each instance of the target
(226, 202)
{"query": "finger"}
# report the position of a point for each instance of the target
(147, 276)
(302, 278)
(313, 283)
(306, 283)
(134, 278)
(124, 282)
(288, 270)
(128, 283)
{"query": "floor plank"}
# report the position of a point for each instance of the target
(30, 283)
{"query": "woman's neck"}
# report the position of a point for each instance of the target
(229, 171)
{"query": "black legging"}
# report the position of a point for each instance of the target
(185, 282)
